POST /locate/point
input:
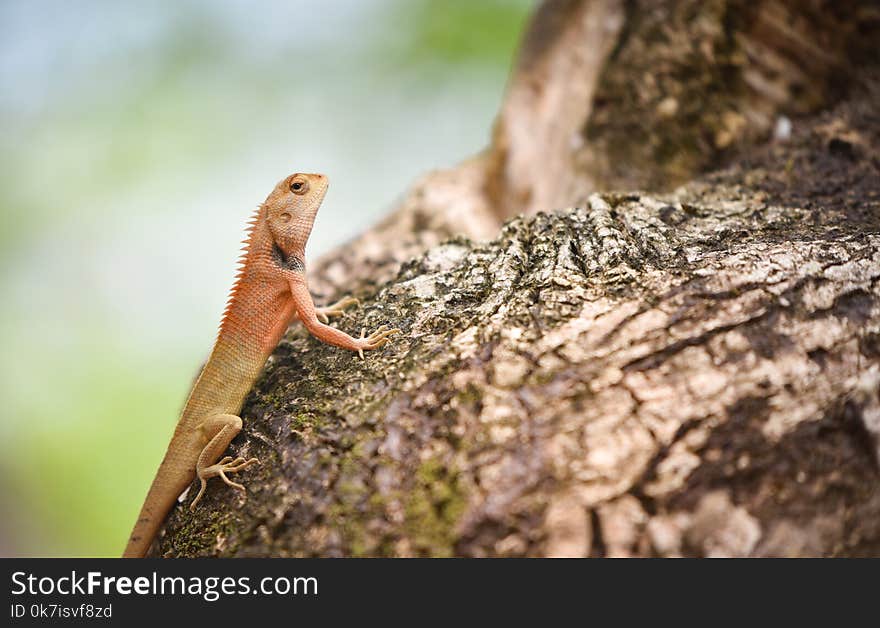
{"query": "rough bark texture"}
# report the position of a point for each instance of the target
(694, 372)
(649, 93)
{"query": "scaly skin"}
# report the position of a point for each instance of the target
(269, 293)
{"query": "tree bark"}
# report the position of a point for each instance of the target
(689, 371)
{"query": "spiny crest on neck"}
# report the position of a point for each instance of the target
(249, 247)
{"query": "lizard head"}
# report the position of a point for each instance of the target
(291, 210)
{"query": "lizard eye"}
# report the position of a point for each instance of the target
(298, 186)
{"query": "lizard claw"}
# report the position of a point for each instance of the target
(225, 465)
(336, 309)
(375, 340)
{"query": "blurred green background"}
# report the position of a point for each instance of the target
(136, 139)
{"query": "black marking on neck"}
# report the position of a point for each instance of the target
(291, 262)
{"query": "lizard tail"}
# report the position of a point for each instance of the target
(163, 492)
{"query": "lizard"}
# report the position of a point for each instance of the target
(270, 292)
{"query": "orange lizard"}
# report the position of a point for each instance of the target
(270, 292)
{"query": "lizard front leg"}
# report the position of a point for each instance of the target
(219, 430)
(307, 314)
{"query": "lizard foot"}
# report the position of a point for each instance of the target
(220, 469)
(336, 309)
(376, 339)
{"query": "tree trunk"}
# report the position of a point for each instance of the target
(684, 371)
